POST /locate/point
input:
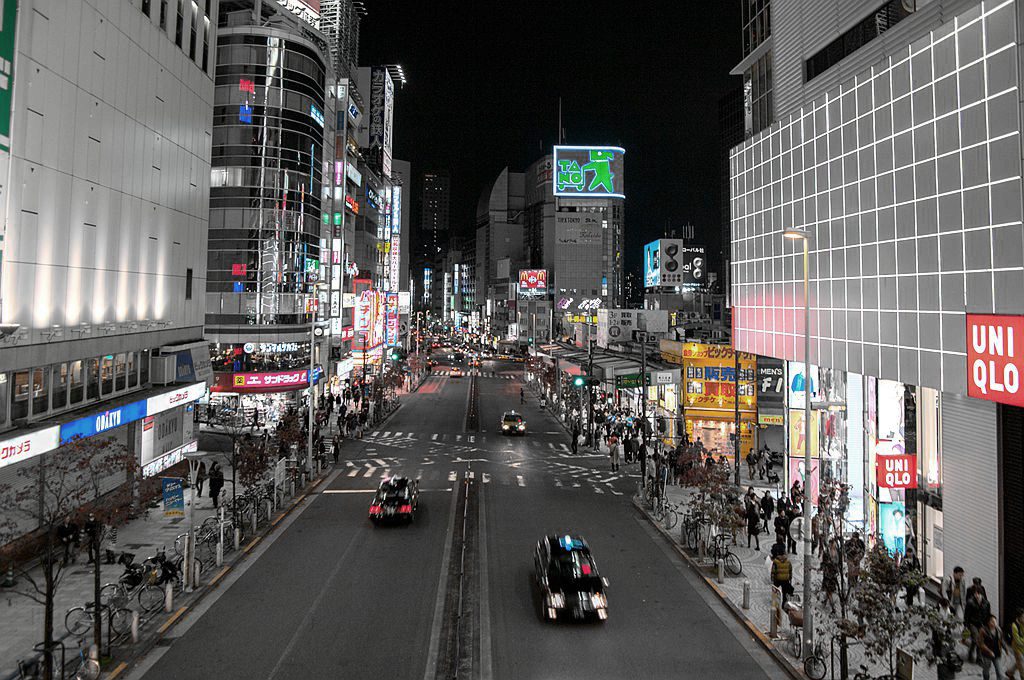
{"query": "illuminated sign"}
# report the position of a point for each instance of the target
(533, 280)
(994, 362)
(271, 380)
(170, 458)
(896, 472)
(238, 270)
(312, 265)
(179, 397)
(245, 113)
(316, 114)
(372, 197)
(354, 113)
(270, 347)
(103, 422)
(26, 446)
(245, 85)
(336, 303)
(352, 204)
(670, 262)
(589, 171)
(353, 174)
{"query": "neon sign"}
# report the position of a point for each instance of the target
(589, 171)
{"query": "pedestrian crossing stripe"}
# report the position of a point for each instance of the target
(481, 374)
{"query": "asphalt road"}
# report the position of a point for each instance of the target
(330, 596)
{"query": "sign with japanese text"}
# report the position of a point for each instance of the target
(174, 497)
(671, 262)
(238, 270)
(994, 361)
(896, 472)
(26, 446)
(589, 171)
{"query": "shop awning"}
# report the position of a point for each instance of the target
(607, 367)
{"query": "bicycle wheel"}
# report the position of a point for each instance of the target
(733, 564)
(78, 621)
(796, 643)
(814, 667)
(150, 597)
(121, 621)
(88, 670)
(671, 518)
(111, 592)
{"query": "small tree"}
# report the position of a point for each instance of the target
(64, 484)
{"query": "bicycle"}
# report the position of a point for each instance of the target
(80, 620)
(815, 666)
(721, 551)
(669, 514)
(88, 667)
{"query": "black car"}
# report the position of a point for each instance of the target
(396, 500)
(569, 582)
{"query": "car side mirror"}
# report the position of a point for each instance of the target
(604, 580)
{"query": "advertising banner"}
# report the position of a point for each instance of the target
(279, 381)
(892, 526)
(670, 262)
(994, 362)
(797, 435)
(589, 171)
(26, 446)
(102, 422)
(174, 497)
(796, 471)
(771, 385)
(896, 472)
(533, 281)
(617, 325)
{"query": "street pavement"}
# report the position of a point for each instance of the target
(329, 595)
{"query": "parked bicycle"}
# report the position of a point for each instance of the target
(722, 551)
(88, 668)
(80, 620)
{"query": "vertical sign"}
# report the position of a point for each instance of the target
(994, 357)
(8, 27)
(174, 497)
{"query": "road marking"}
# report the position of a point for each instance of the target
(597, 489)
(551, 446)
(220, 575)
(470, 474)
(374, 434)
(613, 477)
(386, 473)
(433, 437)
(519, 480)
(458, 437)
(472, 439)
(353, 472)
(419, 474)
(558, 483)
(617, 493)
(379, 462)
(349, 491)
(486, 477)
(369, 471)
(486, 659)
(170, 622)
(430, 672)
(452, 476)
(117, 671)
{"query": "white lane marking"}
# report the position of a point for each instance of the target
(575, 485)
(379, 462)
(486, 477)
(610, 479)
(433, 437)
(386, 473)
(452, 476)
(374, 434)
(349, 491)
(617, 493)
(551, 446)
(598, 490)
(519, 480)
(353, 472)
(419, 474)
(458, 437)
(369, 471)
(558, 483)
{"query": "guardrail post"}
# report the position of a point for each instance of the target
(773, 615)
(721, 570)
(220, 543)
(238, 537)
(135, 627)
(746, 593)
(168, 597)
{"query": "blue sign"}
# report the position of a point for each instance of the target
(97, 424)
(174, 497)
(316, 114)
(652, 264)
(245, 113)
(892, 526)
(184, 370)
(237, 287)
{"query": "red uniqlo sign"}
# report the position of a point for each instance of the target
(896, 472)
(994, 361)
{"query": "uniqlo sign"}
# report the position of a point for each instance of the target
(994, 363)
(896, 472)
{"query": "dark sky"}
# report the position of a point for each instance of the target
(485, 77)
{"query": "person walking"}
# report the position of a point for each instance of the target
(782, 576)
(94, 534)
(753, 517)
(854, 552)
(990, 647)
(216, 483)
(575, 443)
(976, 615)
(200, 478)
(1017, 646)
(522, 396)
(336, 448)
(910, 563)
(767, 508)
(68, 534)
(613, 451)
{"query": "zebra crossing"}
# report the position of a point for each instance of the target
(389, 437)
(480, 374)
(560, 476)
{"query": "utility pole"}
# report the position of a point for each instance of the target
(643, 387)
(736, 406)
(590, 389)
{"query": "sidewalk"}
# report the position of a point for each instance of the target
(756, 570)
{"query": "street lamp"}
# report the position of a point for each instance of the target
(312, 361)
(802, 234)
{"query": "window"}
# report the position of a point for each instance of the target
(40, 390)
(133, 370)
(120, 366)
(60, 386)
(5, 383)
(144, 367)
(180, 26)
(206, 38)
(92, 379)
(163, 15)
(76, 382)
(145, 7)
(19, 407)
(874, 25)
(107, 375)
(188, 284)
(193, 22)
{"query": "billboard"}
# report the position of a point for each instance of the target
(994, 363)
(589, 172)
(670, 262)
(533, 281)
(382, 113)
(617, 325)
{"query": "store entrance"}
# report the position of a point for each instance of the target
(1011, 476)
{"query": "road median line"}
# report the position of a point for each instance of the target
(220, 575)
(117, 671)
(170, 622)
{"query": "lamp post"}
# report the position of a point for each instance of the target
(312, 362)
(802, 234)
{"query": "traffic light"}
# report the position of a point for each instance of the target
(579, 381)
(531, 341)
(395, 356)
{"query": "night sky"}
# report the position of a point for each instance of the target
(485, 78)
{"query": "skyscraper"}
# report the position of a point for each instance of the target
(339, 22)
(435, 203)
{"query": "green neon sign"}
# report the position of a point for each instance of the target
(589, 171)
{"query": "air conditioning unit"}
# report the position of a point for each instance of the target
(162, 370)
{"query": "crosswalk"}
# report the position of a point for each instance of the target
(567, 478)
(389, 437)
(481, 374)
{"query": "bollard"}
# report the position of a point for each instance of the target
(168, 597)
(238, 537)
(702, 548)
(135, 627)
(721, 570)
(270, 509)
(220, 544)
(746, 593)
(773, 615)
(94, 653)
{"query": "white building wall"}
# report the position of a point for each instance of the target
(110, 172)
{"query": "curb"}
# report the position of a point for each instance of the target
(780, 658)
(145, 648)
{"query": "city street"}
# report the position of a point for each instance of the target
(329, 595)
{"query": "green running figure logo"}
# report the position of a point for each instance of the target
(571, 176)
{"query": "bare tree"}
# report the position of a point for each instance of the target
(64, 485)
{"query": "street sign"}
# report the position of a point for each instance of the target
(631, 381)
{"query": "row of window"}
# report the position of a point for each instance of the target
(183, 10)
(874, 25)
(40, 392)
(233, 58)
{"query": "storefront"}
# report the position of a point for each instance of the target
(771, 404)
(261, 397)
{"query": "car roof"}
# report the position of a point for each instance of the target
(395, 483)
(566, 543)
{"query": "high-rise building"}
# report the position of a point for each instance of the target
(273, 138)
(435, 206)
(500, 252)
(105, 162)
(896, 153)
(756, 67)
(731, 132)
(340, 21)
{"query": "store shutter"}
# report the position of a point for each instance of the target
(1011, 476)
(970, 493)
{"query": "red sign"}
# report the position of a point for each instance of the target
(238, 270)
(246, 85)
(279, 381)
(533, 279)
(896, 472)
(352, 204)
(994, 357)
(347, 333)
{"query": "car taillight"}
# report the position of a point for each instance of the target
(374, 509)
(405, 509)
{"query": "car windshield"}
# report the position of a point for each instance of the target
(513, 418)
(576, 569)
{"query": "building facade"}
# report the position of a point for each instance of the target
(897, 148)
(104, 243)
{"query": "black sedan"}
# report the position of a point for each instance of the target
(396, 500)
(569, 582)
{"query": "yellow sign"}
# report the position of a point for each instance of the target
(709, 374)
(768, 419)
(796, 434)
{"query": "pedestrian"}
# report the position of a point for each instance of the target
(751, 464)
(522, 396)
(627, 448)
(782, 576)
(767, 507)
(68, 534)
(790, 539)
(830, 573)
(990, 647)
(94, 534)
(946, 661)
(336, 449)
(255, 419)
(976, 585)
(613, 452)
(909, 564)
(1017, 645)
(854, 552)
(976, 615)
(575, 443)
(200, 477)
(216, 483)
(955, 590)
(753, 517)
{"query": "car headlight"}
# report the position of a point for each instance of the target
(556, 600)
(599, 600)
(504, 427)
